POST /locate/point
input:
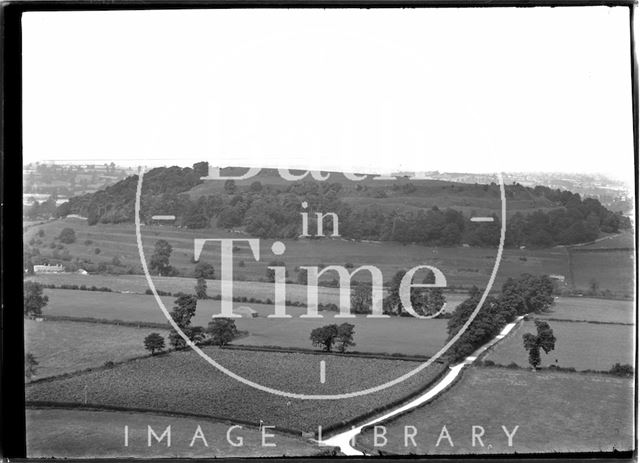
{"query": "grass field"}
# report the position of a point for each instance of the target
(461, 266)
(422, 337)
(183, 382)
(613, 270)
(591, 309)
(582, 346)
(555, 412)
(62, 347)
(100, 434)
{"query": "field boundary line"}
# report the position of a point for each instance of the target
(45, 404)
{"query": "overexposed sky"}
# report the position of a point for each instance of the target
(475, 90)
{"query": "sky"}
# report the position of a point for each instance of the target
(466, 90)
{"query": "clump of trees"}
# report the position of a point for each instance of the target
(544, 340)
(160, 259)
(182, 313)
(201, 288)
(154, 342)
(222, 331)
(34, 300)
(67, 236)
(525, 295)
(425, 301)
(328, 335)
(204, 270)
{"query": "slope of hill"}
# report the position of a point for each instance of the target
(427, 212)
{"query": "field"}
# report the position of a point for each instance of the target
(422, 337)
(100, 434)
(182, 382)
(591, 309)
(62, 347)
(461, 266)
(555, 412)
(583, 346)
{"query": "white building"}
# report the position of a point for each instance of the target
(48, 268)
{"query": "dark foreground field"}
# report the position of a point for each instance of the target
(554, 412)
(182, 382)
(99, 434)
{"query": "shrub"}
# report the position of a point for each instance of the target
(621, 370)
(97, 251)
(513, 366)
(88, 242)
(67, 235)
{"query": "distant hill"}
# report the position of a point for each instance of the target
(430, 212)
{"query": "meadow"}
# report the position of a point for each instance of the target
(583, 346)
(63, 347)
(77, 433)
(463, 267)
(403, 335)
(555, 412)
(182, 382)
(591, 309)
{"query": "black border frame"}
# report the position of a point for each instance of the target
(13, 432)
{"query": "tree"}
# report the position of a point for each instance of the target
(67, 236)
(344, 338)
(154, 342)
(30, 365)
(160, 258)
(425, 301)
(34, 301)
(204, 270)
(302, 277)
(545, 340)
(222, 331)
(324, 336)
(230, 186)
(201, 289)
(271, 274)
(182, 313)
(361, 299)
(184, 310)
(528, 294)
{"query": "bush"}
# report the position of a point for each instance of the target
(109, 364)
(67, 235)
(88, 242)
(621, 370)
(513, 366)
(97, 251)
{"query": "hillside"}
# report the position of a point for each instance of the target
(426, 212)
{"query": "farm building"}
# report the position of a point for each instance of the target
(245, 311)
(48, 268)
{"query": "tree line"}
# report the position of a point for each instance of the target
(273, 211)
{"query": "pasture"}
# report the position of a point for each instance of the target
(182, 382)
(403, 335)
(583, 346)
(554, 412)
(591, 309)
(77, 433)
(63, 347)
(461, 266)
